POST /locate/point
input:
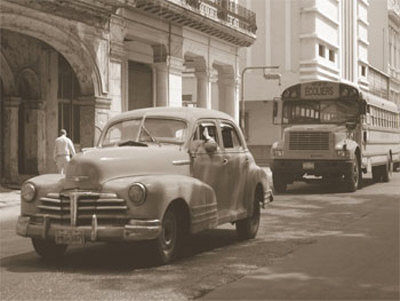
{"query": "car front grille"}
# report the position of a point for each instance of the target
(309, 141)
(78, 207)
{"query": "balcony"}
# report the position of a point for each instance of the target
(394, 11)
(223, 19)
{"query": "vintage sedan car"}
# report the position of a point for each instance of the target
(156, 174)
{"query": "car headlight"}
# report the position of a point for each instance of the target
(137, 194)
(28, 192)
(278, 152)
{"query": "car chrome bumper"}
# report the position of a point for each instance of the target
(135, 230)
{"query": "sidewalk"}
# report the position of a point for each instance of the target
(9, 197)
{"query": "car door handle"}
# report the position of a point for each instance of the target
(225, 161)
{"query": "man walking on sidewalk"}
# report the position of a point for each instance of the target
(63, 150)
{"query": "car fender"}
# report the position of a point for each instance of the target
(256, 176)
(44, 184)
(162, 190)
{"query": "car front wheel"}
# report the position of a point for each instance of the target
(247, 228)
(168, 244)
(48, 249)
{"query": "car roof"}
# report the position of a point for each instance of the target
(190, 114)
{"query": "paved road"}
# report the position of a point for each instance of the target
(313, 243)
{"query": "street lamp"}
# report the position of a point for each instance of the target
(267, 76)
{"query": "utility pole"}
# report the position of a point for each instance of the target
(267, 76)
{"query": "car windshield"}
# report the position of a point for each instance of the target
(323, 111)
(143, 131)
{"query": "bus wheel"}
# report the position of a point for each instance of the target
(352, 179)
(387, 170)
(279, 183)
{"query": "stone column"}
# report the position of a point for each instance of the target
(11, 109)
(203, 89)
(175, 69)
(49, 90)
(37, 111)
(161, 85)
(215, 104)
(94, 112)
(230, 91)
(169, 82)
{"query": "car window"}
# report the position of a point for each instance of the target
(121, 131)
(230, 137)
(204, 131)
(163, 130)
(160, 130)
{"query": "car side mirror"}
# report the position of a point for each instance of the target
(210, 146)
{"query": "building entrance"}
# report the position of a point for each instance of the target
(140, 83)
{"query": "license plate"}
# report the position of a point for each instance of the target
(308, 165)
(70, 237)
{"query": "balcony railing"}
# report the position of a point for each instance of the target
(226, 19)
(227, 11)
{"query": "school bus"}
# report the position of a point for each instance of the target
(334, 131)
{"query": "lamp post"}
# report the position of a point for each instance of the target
(267, 76)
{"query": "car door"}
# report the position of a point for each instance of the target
(209, 167)
(236, 163)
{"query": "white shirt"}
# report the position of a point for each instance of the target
(63, 147)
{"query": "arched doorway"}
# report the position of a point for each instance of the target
(29, 121)
(41, 94)
(69, 117)
(1, 131)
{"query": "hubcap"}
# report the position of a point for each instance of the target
(169, 232)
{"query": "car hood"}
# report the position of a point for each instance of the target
(92, 168)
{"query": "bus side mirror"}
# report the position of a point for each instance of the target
(276, 111)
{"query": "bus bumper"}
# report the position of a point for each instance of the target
(297, 168)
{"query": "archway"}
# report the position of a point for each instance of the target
(29, 121)
(1, 131)
(42, 94)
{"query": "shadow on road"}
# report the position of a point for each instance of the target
(318, 186)
(116, 257)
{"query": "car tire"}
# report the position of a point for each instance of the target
(387, 170)
(48, 249)
(169, 243)
(247, 228)
(353, 178)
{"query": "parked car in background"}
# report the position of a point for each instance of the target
(156, 174)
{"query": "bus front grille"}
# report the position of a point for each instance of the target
(308, 140)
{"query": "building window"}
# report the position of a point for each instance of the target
(363, 71)
(321, 50)
(331, 55)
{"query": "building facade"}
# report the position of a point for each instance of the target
(353, 41)
(74, 64)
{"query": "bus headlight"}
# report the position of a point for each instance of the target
(28, 192)
(278, 153)
(342, 153)
(137, 194)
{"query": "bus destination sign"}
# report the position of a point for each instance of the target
(319, 90)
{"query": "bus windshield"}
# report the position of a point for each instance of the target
(320, 111)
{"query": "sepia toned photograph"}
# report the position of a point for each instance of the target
(199, 150)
